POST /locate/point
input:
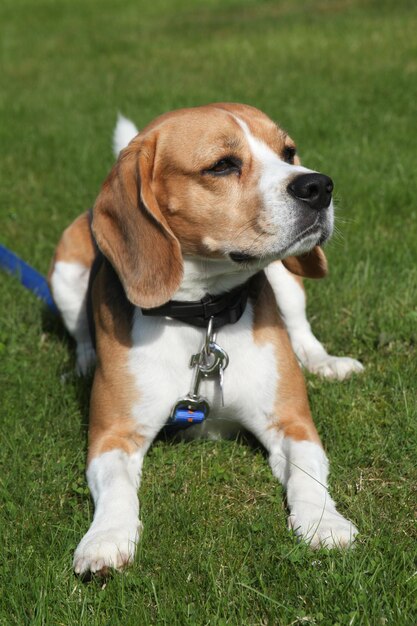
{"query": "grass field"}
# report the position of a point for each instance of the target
(341, 76)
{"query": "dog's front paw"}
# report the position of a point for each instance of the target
(336, 367)
(100, 550)
(322, 528)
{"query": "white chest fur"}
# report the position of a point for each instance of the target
(159, 361)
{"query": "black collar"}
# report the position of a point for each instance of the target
(225, 308)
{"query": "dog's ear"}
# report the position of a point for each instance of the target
(312, 264)
(132, 232)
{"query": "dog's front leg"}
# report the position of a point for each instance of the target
(113, 478)
(117, 443)
(287, 431)
(313, 514)
(291, 299)
(117, 446)
(300, 464)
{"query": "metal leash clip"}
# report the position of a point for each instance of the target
(212, 360)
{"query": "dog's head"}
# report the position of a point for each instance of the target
(220, 181)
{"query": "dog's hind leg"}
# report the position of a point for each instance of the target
(291, 299)
(69, 277)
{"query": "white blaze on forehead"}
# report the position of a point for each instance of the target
(275, 176)
(274, 169)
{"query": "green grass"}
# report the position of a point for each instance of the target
(341, 76)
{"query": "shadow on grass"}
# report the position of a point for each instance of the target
(52, 325)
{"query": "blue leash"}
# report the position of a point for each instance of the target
(29, 277)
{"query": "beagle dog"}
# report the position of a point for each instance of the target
(207, 207)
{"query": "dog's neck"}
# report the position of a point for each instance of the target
(213, 276)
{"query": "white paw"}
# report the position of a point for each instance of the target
(336, 367)
(86, 358)
(100, 550)
(322, 528)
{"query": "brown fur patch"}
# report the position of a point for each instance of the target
(76, 244)
(114, 391)
(292, 412)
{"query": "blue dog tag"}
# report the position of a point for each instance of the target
(190, 417)
(189, 411)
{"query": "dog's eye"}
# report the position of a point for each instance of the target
(225, 166)
(289, 154)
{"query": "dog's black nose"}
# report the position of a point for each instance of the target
(313, 189)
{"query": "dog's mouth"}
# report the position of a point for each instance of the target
(314, 235)
(242, 257)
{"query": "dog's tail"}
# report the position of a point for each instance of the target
(123, 133)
